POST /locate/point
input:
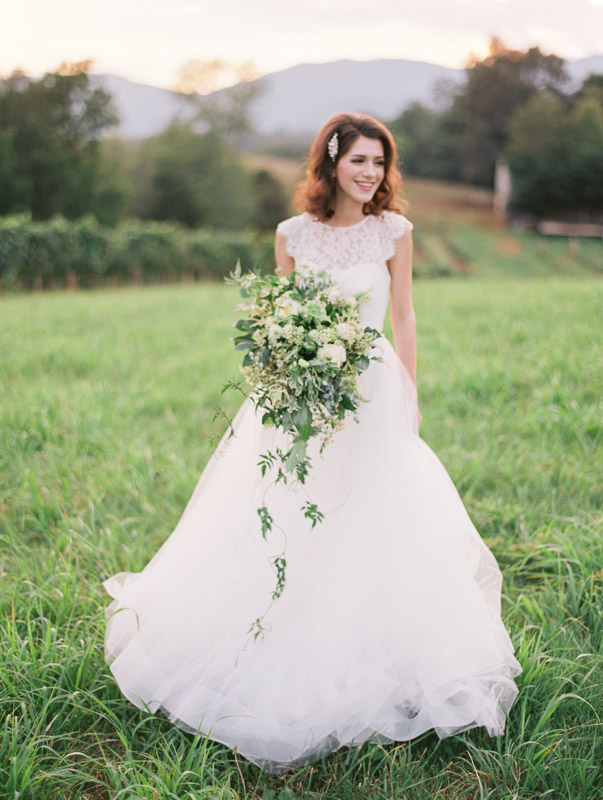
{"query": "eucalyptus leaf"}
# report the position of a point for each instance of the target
(302, 419)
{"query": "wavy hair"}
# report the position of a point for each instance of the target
(316, 194)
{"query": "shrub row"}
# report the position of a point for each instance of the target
(82, 253)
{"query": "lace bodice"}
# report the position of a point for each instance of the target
(357, 255)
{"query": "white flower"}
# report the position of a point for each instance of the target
(285, 306)
(275, 332)
(325, 335)
(333, 294)
(344, 330)
(333, 352)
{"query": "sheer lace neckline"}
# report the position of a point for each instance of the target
(343, 227)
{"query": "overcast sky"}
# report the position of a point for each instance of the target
(149, 40)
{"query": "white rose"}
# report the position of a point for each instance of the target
(333, 352)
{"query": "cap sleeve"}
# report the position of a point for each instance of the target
(292, 230)
(395, 226)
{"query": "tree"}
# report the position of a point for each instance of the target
(556, 157)
(194, 178)
(226, 111)
(536, 156)
(427, 141)
(592, 86)
(495, 87)
(270, 203)
(584, 140)
(49, 128)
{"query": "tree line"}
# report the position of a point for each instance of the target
(56, 160)
(513, 105)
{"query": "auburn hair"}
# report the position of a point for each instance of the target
(316, 194)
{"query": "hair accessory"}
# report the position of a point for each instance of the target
(333, 145)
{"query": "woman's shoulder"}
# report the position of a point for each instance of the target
(293, 225)
(394, 224)
(293, 230)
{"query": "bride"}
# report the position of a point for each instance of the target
(390, 621)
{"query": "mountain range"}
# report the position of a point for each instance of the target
(296, 101)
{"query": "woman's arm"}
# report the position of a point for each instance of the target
(284, 262)
(402, 313)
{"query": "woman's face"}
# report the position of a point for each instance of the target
(359, 172)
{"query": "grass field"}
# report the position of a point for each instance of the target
(106, 409)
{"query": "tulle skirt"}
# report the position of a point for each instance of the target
(389, 624)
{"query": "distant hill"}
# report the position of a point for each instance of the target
(299, 99)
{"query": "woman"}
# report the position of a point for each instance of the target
(389, 624)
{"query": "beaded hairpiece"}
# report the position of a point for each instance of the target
(333, 146)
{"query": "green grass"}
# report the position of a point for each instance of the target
(106, 422)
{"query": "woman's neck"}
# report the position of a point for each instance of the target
(347, 212)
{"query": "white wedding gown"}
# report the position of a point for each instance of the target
(390, 621)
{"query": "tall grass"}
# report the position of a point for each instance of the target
(106, 423)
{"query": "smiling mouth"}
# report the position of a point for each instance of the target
(364, 185)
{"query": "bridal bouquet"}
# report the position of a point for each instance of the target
(305, 349)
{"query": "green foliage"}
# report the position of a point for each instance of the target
(496, 86)
(43, 254)
(427, 141)
(49, 153)
(39, 255)
(270, 203)
(52, 161)
(107, 400)
(464, 140)
(592, 86)
(194, 178)
(556, 157)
